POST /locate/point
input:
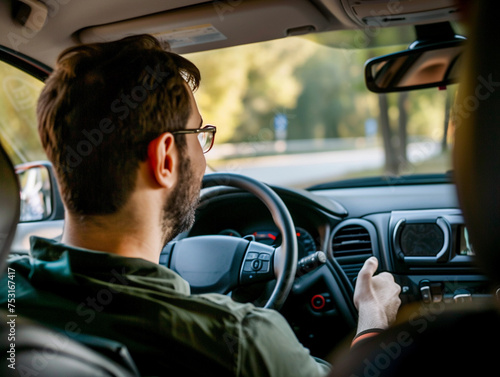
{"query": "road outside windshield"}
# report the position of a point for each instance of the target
(296, 112)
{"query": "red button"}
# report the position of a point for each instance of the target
(318, 302)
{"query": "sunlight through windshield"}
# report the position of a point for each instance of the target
(297, 113)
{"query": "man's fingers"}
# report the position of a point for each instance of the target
(368, 269)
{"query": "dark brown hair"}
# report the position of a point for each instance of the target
(99, 109)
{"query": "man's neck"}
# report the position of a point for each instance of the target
(112, 234)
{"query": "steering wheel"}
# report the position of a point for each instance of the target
(222, 263)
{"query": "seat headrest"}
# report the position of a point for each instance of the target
(477, 137)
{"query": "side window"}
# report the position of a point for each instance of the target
(19, 94)
(18, 126)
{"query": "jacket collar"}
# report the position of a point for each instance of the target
(55, 261)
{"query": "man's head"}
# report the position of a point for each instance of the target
(109, 107)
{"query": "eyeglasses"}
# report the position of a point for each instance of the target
(206, 136)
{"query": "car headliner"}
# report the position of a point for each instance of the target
(70, 22)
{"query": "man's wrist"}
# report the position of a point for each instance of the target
(371, 317)
(365, 334)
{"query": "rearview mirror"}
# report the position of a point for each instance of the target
(418, 67)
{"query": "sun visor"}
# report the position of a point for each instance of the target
(216, 25)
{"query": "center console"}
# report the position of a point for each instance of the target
(433, 258)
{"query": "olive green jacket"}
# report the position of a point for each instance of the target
(149, 308)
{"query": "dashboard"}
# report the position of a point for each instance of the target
(417, 232)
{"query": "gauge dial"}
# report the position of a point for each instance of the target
(230, 232)
(305, 241)
(267, 237)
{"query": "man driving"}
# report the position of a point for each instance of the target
(121, 127)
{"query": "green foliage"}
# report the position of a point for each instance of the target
(317, 81)
(18, 126)
(319, 88)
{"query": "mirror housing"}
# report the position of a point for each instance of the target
(40, 199)
(422, 65)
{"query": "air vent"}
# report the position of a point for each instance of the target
(352, 240)
(351, 246)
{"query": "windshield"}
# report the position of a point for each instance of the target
(291, 112)
(296, 112)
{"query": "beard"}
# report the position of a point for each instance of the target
(179, 210)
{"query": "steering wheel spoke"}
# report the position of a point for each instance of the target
(208, 263)
(258, 264)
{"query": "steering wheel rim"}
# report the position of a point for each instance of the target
(286, 256)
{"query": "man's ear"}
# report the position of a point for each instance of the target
(162, 157)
